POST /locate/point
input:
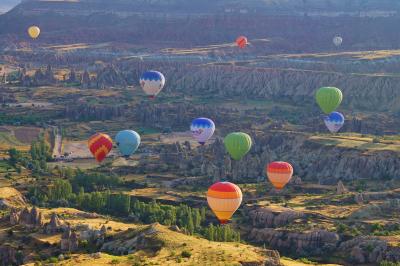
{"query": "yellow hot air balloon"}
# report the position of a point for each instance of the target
(224, 198)
(34, 32)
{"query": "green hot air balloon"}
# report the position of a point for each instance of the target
(328, 99)
(238, 144)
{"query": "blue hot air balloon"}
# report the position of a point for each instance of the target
(202, 129)
(128, 142)
(152, 82)
(334, 121)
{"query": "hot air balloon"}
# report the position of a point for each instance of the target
(279, 174)
(100, 145)
(34, 32)
(224, 198)
(152, 82)
(328, 99)
(241, 41)
(128, 142)
(238, 144)
(202, 129)
(337, 40)
(334, 121)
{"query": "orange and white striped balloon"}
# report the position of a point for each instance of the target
(100, 145)
(279, 174)
(241, 41)
(224, 198)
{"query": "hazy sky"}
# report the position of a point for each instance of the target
(6, 5)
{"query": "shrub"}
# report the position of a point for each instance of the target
(115, 261)
(186, 254)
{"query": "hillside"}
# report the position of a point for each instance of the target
(183, 23)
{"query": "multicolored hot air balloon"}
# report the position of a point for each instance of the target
(279, 174)
(202, 129)
(128, 142)
(238, 144)
(152, 82)
(100, 145)
(34, 32)
(241, 41)
(329, 98)
(224, 198)
(337, 40)
(334, 121)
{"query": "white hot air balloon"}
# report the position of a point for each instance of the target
(337, 40)
(152, 82)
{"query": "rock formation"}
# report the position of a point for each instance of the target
(315, 242)
(131, 241)
(313, 161)
(267, 218)
(69, 241)
(7, 255)
(54, 226)
(26, 217)
(340, 189)
(372, 250)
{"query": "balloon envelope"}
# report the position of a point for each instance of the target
(202, 129)
(100, 145)
(241, 41)
(334, 121)
(329, 98)
(337, 40)
(224, 198)
(128, 142)
(152, 82)
(34, 32)
(279, 173)
(238, 144)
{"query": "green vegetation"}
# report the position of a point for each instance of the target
(388, 263)
(189, 220)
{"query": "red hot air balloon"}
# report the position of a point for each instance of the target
(224, 198)
(241, 41)
(100, 145)
(279, 174)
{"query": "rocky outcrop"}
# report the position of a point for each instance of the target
(312, 161)
(340, 188)
(8, 255)
(314, 242)
(373, 250)
(131, 241)
(268, 218)
(69, 241)
(55, 225)
(26, 217)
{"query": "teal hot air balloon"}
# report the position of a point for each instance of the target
(128, 142)
(329, 98)
(238, 144)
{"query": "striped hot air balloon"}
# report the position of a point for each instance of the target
(224, 198)
(241, 41)
(279, 174)
(100, 145)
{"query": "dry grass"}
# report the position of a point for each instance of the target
(361, 143)
(203, 252)
(8, 192)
